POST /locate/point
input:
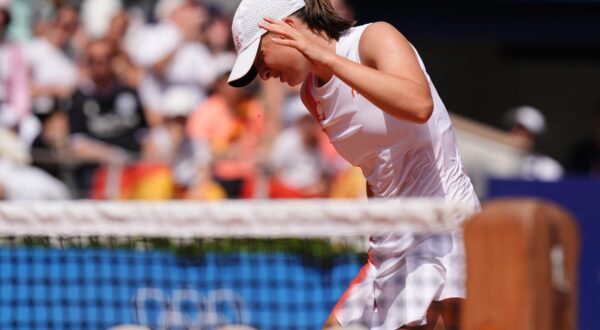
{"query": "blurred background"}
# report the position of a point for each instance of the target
(112, 99)
(128, 100)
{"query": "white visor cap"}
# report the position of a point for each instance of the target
(247, 33)
(529, 117)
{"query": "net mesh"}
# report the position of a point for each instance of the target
(268, 265)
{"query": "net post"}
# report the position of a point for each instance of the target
(522, 257)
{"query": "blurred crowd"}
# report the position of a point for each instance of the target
(121, 99)
(111, 99)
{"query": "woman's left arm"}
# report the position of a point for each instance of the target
(390, 76)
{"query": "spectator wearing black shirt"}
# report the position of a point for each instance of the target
(106, 118)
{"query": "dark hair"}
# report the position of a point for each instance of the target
(7, 19)
(320, 17)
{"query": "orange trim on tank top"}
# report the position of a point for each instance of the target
(312, 103)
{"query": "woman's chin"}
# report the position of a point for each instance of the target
(294, 82)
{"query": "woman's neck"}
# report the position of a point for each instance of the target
(323, 74)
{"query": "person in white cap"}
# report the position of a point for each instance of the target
(369, 90)
(529, 122)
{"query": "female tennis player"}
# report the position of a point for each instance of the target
(368, 89)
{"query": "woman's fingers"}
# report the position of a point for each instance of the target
(284, 39)
(273, 20)
(275, 29)
(278, 26)
(288, 36)
(285, 42)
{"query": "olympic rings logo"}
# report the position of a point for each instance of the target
(188, 309)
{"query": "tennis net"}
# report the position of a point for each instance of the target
(182, 265)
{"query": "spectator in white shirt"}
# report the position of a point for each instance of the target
(54, 72)
(19, 180)
(299, 167)
(172, 53)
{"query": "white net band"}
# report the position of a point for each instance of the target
(250, 219)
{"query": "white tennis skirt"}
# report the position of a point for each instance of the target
(404, 274)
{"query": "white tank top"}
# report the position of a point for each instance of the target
(398, 158)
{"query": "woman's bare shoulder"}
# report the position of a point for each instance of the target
(380, 38)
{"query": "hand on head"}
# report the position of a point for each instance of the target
(290, 32)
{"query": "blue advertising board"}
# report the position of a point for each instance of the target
(96, 288)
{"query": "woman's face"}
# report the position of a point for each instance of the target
(280, 62)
